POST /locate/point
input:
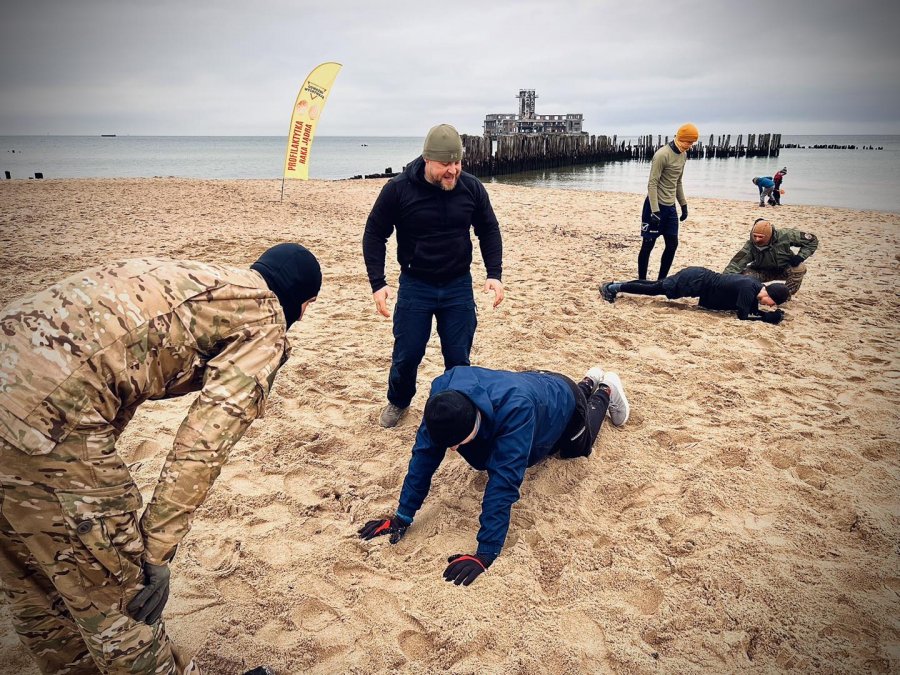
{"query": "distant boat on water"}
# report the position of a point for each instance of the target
(107, 135)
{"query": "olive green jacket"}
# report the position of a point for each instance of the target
(776, 255)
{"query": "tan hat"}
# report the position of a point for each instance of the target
(443, 144)
(763, 227)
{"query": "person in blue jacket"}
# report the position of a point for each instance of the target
(500, 422)
(766, 185)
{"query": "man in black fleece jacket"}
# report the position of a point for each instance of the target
(433, 204)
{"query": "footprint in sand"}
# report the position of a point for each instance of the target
(146, 450)
(645, 598)
(243, 478)
(313, 615)
(415, 645)
(220, 556)
(811, 476)
(298, 487)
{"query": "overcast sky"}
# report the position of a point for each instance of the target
(234, 67)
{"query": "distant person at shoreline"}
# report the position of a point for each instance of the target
(728, 292)
(664, 188)
(433, 204)
(778, 179)
(500, 422)
(765, 184)
(769, 255)
(86, 575)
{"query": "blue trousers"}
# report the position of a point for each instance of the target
(453, 305)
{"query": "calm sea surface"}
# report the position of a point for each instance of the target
(858, 179)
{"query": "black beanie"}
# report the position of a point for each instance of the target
(293, 274)
(779, 293)
(449, 417)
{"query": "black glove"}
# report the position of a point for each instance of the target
(654, 222)
(464, 569)
(683, 213)
(774, 317)
(795, 260)
(393, 526)
(147, 606)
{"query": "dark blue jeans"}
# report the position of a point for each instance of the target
(453, 305)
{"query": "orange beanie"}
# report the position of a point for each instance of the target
(687, 132)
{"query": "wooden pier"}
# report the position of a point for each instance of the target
(496, 156)
(515, 153)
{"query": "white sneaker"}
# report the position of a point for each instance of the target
(618, 405)
(595, 375)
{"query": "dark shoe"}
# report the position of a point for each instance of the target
(260, 670)
(608, 294)
(390, 415)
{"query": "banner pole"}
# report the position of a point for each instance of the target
(282, 189)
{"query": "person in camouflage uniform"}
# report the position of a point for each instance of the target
(87, 579)
(769, 255)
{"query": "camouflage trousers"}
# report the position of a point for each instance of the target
(791, 276)
(70, 559)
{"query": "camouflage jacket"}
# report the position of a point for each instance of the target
(90, 349)
(776, 255)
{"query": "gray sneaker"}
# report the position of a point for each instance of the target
(609, 291)
(593, 378)
(391, 415)
(618, 405)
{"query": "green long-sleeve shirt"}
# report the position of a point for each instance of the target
(666, 170)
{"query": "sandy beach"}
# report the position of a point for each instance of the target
(747, 518)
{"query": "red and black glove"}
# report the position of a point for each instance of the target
(394, 526)
(464, 569)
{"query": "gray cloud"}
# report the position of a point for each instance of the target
(232, 67)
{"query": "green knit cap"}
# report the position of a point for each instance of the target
(443, 144)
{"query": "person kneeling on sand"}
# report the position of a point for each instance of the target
(500, 422)
(732, 292)
(86, 575)
(769, 255)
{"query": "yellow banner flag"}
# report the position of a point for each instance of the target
(307, 111)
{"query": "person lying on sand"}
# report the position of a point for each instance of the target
(500, 422)
(733, 292)
(76, 361)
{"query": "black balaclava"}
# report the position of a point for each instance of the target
(293, 274)
(449, 417)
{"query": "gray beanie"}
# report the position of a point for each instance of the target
(443, 144)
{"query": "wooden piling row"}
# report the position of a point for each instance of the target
(496, 156)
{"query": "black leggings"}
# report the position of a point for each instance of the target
(668, 255)
(584, 426)
(642, 287)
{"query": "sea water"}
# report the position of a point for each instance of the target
(858, 179)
